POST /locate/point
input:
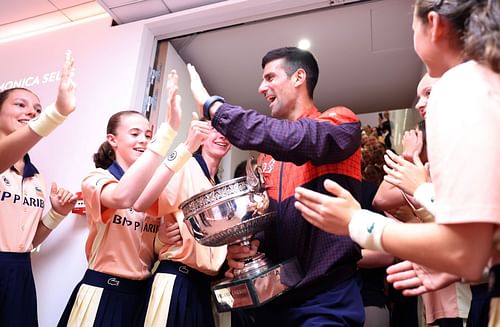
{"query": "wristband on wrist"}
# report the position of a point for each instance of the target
(162, 140)
(178, 158)
(366, 229)
(47, 121)
(52, 219)
(158, 244)
(210, 101)
(424, 194)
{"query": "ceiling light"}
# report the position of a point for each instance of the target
(32, 30)
(304, 44)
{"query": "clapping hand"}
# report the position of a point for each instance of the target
(329, 213)
(403, 174)
(413, 143)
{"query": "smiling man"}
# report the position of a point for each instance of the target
(301, 147)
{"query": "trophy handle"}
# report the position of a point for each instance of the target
(253, 178)
(259, 201)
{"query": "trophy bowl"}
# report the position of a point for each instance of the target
(225, 214)
(231, 213)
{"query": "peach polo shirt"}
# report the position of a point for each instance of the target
(120, 241)
(189, 181)
(22, 201)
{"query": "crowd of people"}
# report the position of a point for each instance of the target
(434, 208)
(372, 154)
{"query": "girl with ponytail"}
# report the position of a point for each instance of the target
(120, 245)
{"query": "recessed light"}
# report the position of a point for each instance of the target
(304, 44)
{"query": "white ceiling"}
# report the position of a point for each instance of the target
(26, 16)
(364, 48)
(365, 54)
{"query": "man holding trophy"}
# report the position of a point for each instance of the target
(301, 147)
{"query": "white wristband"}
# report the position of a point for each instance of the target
(424, 194)
(366, 229)
(47, 121)
(176, 160)
(52, 219)
(162, 140)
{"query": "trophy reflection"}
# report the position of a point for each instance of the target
(231, 213)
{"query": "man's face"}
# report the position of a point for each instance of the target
(278, 89)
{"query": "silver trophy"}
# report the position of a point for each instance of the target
(231, 213)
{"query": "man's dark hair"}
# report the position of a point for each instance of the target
(296, 58)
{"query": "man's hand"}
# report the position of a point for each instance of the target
(235, 254)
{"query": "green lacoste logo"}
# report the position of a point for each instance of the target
(370, 228)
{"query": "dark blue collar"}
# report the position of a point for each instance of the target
(29, 169)
(116, 170)
(204, 167)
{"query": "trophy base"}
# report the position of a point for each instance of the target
(251, 291)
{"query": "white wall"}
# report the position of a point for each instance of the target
(111, 72)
